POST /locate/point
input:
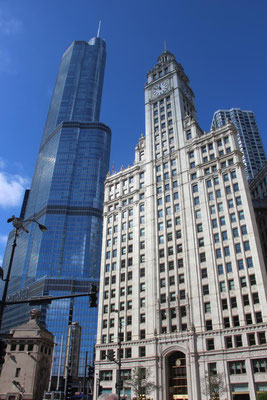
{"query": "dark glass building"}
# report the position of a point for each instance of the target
(67, 196)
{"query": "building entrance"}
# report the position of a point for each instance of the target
(177, 377)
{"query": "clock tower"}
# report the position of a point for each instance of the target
(168, 83)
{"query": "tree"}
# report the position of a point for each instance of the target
(262, 396)
(213, 386)
(140, 381)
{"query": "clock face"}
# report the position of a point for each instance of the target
(160, 88)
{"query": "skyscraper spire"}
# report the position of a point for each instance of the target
(98, 30)
(165, 46)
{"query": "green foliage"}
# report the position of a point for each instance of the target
(213, 386)
(140, 382)
(262, 396)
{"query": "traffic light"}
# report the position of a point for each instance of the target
(100, 390)
(93, 296)
(3, 346)
(111, 355)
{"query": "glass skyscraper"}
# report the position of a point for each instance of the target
(249, 139)
(67, 196)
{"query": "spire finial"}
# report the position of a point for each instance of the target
(165, 46)
(98, 30)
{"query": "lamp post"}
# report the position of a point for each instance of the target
(119, 382)
(18, 225)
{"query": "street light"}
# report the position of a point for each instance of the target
(119, 382)
(18, 224)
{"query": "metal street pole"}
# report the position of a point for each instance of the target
(119, 383)
(85, 375)
(18, 224)
(3, 302)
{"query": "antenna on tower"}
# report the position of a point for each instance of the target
(98, 30)
(165, 46)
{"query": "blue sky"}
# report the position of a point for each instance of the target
(221, 45)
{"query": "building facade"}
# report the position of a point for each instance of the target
(258, 190)
(67, 197)
(182, 274)
(26, 370)
(249, 139)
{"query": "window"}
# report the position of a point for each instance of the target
(246, 246)
(244, 230)
(224, 235)
(218, 253)
(212, 367)
(209, 325)
(228, 189)
(207, 307)
(231, 284)
(233, 217)
(230, 203)
(228, 342)
(205, 290)
(198, 214)
(246, 300)
(202, 257)
(216, 180)
(199, 228)
(238, 201)
(172, 280)
(142, 334)
(216, 237)
(237, 367)
(204, 273)
(128, 353)
(233, 302)
(210, 344)
(229, 266)
(226, 322)
(226, 250)
(218, 193)
(188, 134)
(258, 317)
(261, 338)
(142, 318)
(235, 187)
(238, 248)
(235, 232)
(201, 242)
(255, 297)
(220, 269)
(195, 188)
(212, 209)
(238, 341)
(249, 262)
(252, 280)
(214, 223)
(236, 320)
(224, 304)
(196, 201)
(249, 319)
(222, 286)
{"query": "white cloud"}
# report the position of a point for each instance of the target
(1, 261)
(12, 189)
(9, 25)
(3, 239)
